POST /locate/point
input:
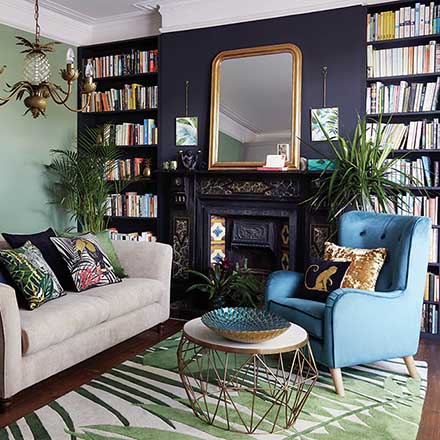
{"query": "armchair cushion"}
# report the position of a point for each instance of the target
(303, 312)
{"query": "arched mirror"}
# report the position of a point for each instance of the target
(255, 106)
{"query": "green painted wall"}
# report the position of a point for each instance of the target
(231, 150)
(25, 145)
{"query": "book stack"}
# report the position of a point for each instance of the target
(432, 287)
(430, 318)
(403, 60)
(132, 63)
(126, 168)
(404, 22)
(132, 204)
(424, 172)
(128, 134)
(131, 97)
(415, 97)
(131, 236)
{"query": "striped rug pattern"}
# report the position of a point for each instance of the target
(143, 399)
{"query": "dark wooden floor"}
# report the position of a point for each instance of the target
(48, 390)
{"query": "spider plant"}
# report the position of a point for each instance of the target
(80, 183)
(361, 176)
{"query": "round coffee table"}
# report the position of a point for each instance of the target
(247, 388)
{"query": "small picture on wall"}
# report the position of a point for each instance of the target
(284, 150)
(328, 121)
(186, 131)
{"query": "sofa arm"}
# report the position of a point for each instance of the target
(142, 259)
(10, 343)
(283, 284)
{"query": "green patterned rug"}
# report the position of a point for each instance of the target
(143, 399)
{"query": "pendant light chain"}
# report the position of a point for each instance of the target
(37, 25)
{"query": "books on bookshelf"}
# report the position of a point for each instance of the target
(131, 97)
(131, 236)
(430, 318)
(126, 168)
(422, 19)
(129, 134)
(423, 170)
(131, 63)
(132, 204)
(405, 97)
(397, 61)
(432, 287)
(419, 206)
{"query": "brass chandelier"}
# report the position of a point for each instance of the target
(36, 88)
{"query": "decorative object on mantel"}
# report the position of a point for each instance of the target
(187, 126)
(274, 162)
(166, 165)
(245, 324)
(326, 118)
(303, 164)
(36, 71)
(189, 159)
(320, 164)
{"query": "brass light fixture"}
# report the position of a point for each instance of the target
(36, 88)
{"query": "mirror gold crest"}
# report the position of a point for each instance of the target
(255, 106)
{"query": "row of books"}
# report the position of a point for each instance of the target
(131, 97)
(417, 135)
(405, 97)
(424, 172)
(127, 168)
(419, 206)
(131, 134)
(403, 60)
(132, 204)
(132, 63)
(404, 22)
(432, 287)
(430, 318)
(131, 236)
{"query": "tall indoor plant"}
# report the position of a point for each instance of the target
(80, 184)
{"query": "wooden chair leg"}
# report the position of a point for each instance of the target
(337, 380)
(410, 365)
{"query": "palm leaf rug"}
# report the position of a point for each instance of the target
(143, 399)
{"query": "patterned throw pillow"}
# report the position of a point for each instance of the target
(87, 262)
(365, 266)
(322, 278)
(31, 274)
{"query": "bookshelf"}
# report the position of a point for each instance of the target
(394, 31)
(117, 66)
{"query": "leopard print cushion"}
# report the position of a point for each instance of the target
(365, 266)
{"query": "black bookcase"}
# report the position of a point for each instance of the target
(434, 154)
(125, 224)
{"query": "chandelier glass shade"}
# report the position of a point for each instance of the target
(36, 89)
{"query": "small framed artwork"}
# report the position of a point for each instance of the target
(284, 150)
(328, 118)
(187, 131)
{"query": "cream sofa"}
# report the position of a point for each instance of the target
(63, 332)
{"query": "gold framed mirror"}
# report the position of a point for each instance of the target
(255, 106)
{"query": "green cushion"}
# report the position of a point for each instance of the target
(106, 245)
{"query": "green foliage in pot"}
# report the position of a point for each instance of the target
(232, 287)
(79, 177)
(361, 177)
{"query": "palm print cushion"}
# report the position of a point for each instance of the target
(87, 262)
(31, 274)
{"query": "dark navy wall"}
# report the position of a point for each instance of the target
(333, 38)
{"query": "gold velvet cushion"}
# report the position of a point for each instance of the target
(365, 265)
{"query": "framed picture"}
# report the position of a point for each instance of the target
(186, 131)
(329, 120)
(284, 150)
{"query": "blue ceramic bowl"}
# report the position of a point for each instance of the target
(245, 324)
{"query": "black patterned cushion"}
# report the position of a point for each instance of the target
(322, 278)
(87, 262)
(31, 274)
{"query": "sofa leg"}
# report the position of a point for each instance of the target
(411, 367)
(159, 328)
(337, 380)
(5, 404)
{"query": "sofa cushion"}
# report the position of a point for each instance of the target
(303, 312)
(59, 320)
(129, 295)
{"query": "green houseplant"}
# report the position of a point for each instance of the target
(80, 185)
(361, 176)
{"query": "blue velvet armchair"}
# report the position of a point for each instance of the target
(356, 326)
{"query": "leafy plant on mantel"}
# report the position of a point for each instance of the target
(361, 176)
(80, 179)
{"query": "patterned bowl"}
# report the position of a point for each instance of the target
(245, 324)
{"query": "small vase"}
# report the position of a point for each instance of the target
(147, 172)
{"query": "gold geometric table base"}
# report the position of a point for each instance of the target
(246, 393)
